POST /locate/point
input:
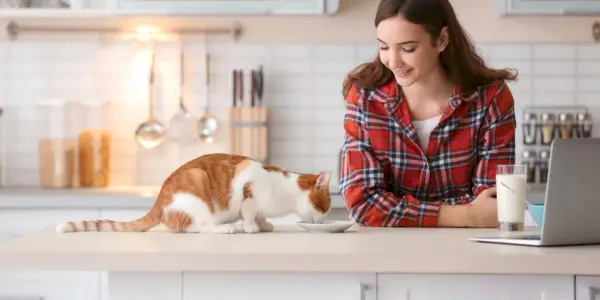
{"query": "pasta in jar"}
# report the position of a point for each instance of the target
(94, 158)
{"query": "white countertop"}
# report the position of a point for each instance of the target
(111, 197)
(399, 250)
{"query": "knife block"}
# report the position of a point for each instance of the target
(248, 133)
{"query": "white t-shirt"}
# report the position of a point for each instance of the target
(424, 129)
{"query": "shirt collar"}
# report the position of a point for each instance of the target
(391, 94)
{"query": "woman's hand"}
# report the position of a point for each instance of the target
(483, 211)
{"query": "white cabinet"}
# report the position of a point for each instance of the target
(545, 7)
(276, 286)
(49, 286)
(217, 7)
(587, 288)
(146, 286)
(473, 287)
(113, 8)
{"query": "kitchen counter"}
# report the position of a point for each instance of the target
(365, 263)
(291, 249)
(111, 197)
(362, 264)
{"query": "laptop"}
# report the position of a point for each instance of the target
(572, 198)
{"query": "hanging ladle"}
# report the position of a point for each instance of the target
(150, 133)
(182, 125)
(207, 124)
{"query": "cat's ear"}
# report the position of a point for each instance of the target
(323, 180)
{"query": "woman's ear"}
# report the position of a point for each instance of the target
(443, 40)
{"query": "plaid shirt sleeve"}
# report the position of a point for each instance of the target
(362, 181)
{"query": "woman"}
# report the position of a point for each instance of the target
(426, 124)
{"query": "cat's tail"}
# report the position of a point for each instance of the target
(138, 225)
(150, 220)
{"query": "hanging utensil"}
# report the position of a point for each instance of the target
(207, 123)
(181, 126)
(150, 133)
(234, 116)
(259, 86)
(262, 116)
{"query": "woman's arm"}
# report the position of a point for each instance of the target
(362, 181)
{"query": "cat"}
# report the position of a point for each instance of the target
(211, 192)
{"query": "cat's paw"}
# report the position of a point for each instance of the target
(250, 227)
(265, 226)
(224, 228)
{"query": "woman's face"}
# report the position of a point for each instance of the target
(407, 50)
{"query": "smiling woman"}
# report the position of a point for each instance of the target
(426, 124)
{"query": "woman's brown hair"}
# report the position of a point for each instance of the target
(460, 59)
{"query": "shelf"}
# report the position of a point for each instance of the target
(54, 13)
(176, 8)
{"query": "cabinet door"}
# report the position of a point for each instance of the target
(277, 286)
(474, 287)
(116, 214)
(542, 6)
(587, 288)
(546, 7)
(49, 285)
(215, 7)
(46, 285)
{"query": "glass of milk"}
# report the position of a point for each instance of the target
(511, 186)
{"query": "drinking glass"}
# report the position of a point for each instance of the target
(511, 188)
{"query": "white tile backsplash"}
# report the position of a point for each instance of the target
(302, 87)
(590, 51)
(554, 68)
(553, 51)
(509, 51)
(589, 68)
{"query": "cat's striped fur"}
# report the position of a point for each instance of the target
(209, 193)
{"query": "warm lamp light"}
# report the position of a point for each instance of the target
(146, 33)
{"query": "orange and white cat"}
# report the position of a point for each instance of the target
(209, 193)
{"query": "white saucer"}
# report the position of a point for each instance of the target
(328, 226)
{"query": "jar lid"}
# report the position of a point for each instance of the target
(53, 102)
(547, 116)
(583, 116)
(527, 154)
(528, 116)
(563, 117)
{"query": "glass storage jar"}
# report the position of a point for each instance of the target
(93, 145)
(56, 144)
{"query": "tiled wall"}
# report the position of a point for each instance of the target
(302, 88)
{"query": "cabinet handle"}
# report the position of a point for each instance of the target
(592, 291)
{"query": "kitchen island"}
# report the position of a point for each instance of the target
(363, 263)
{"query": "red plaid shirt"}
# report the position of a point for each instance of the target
(387, 180)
